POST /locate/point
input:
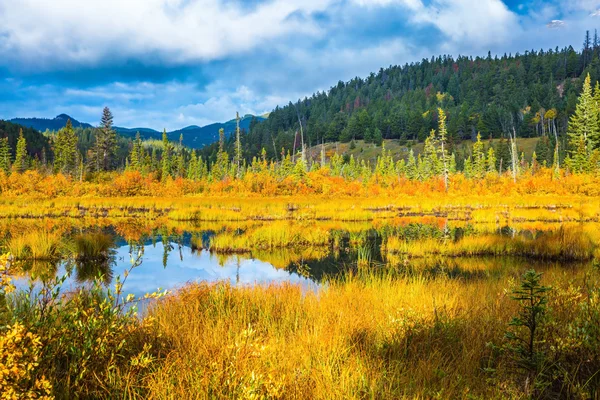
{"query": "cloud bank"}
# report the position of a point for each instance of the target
(170, 63)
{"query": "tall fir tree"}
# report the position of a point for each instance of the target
(136, 155)
(583, 129)
(65, 150)
(104, 150)
(166, 157)
(5, 155)
(20, 164)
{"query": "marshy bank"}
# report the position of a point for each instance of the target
(397, 307)
(365, 335)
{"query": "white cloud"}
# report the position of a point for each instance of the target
(480, 22)
(175, 30)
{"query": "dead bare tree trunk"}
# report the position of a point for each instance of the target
(513, 153)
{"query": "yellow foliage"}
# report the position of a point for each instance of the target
(19, 360)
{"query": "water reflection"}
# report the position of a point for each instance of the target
(172, 257)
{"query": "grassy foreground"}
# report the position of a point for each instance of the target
(369, 335)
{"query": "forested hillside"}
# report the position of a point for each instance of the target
(38, 146)
(533, 92)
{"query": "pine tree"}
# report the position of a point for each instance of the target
(137, 153)
(4, 155)
(220, 169)
(104, 149)
(238, 146)
(584, 123)
(491, 161)
(377, 137)
(479, 163)
(20, 163)
(192, 172)
(166, 167)
(65, 150)
(180, 164)
(411, 166)
(368, 136)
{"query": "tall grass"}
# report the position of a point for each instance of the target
(37, 245)
(93, 246)
(373, 337)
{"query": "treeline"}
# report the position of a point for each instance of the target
(148, 171)
(532, 94)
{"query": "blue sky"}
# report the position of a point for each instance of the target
(173, 63)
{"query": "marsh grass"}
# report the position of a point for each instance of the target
(37, 245)
(364, 335)
(93, 246)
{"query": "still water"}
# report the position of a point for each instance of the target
(170, 258)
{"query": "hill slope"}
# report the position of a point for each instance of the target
(37, 144)
(491, 95)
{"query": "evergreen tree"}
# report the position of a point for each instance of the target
(411, 166)
(583, 129)
(442, 134)
(377, 137)
(65, 150)
(491, 161)
(221, 167)
(104, 149)
(137, 153)
(238, 146)
(4, 155)
(479, 162)
(20, 163)
(166, 157)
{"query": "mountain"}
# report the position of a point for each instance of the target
(145, 133)
(194, 136)
(41, 124)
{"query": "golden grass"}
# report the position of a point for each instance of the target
(36, 245)
(412, 337)
(472, 208)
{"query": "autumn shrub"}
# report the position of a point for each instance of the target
(19, 365)
(83, 344)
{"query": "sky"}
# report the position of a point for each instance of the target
(173, 63)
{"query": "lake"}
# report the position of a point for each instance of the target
(303, 253)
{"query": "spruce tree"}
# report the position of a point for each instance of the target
(583, 129)
(104, 149)
(136, 155)
(20, 164)
(65, 150)
(4, 155)
(491, 161)
(479, 163)
(166, 157)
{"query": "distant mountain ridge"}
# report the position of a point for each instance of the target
(194, 136)
(41, 124)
